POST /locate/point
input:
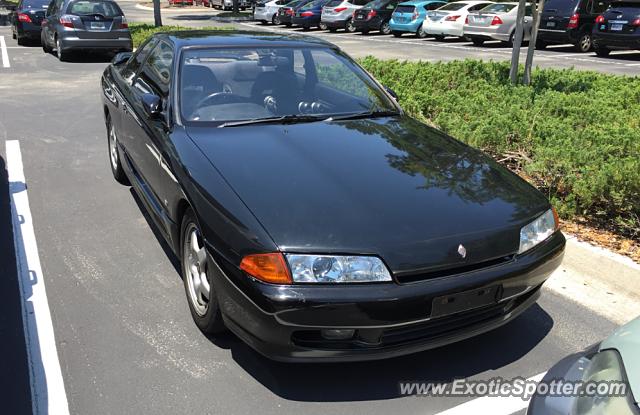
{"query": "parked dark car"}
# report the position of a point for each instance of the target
(26, 20)
(286, 12)
(569, 21)
(93, 25)
(309, 15)
(375, 16)
(618, 28)
(311, 216)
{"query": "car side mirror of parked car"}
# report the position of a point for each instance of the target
(121, 58)
(152, 105)
(391, 92)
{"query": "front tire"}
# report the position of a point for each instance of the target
(197, 276)
(385, 29)
(275, 19)
(114, 155)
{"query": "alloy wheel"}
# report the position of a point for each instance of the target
(385, 29)
(113, 149)
(585, 42)
(351, 27)
(195, 270)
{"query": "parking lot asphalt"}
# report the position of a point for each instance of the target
(410, 48)
(125, 339)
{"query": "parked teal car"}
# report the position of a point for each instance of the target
(408, 16)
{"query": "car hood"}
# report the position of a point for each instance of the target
(392, 187)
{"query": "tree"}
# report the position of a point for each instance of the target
(532, 42)
(517, 42)
(157, 17)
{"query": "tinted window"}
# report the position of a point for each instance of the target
(453, 6)
(498, 8)
(137, 60)
(156, 72)
(601, 6)
(34, 4)
(561, 6)
(376, 4)
(478, 7)
(405, 9)
(334, 3)
(239, 84)
(625, 4)
(433, 6)
(89, 7)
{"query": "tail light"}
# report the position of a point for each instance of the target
(66, 21)
(24, 18)
(339, 9)
(124, 24)
(635, 23)
(371, 14)
(600, 19)
(496, 21)
(306, 14)
(289, 12)
(414, 16)
(453, 18)
(573, 21)
(466, 20)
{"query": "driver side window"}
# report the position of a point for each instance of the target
(155, 77)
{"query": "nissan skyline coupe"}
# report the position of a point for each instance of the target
(311, 216)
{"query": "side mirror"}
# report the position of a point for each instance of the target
(391, 92)
(121, 58)
(152, 105)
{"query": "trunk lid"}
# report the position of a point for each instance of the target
(620, 18)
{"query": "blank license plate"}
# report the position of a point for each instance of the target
(467, 300)
(551, 24)
(97, 25)
(617, 27)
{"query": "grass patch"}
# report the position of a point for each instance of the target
(574, 134)
(141, 31)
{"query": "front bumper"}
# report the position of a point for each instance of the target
(390, 319)
(28, 30)
(558, 36)
(75, 43)
(616, 41)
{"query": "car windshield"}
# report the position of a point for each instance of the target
(561, 6)
(35, 4)
(239, 84)
(453, 6)
(91, 7)
(498, 8)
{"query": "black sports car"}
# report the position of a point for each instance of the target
(312, 217)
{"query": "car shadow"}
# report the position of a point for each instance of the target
(360, 381)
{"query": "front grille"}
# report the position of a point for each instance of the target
(446, 272)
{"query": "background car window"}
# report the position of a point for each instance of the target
(601, 6)
(391, 6)
(334, 3)
(561, 6)
(89, 7)
(478, 7)
(156, 72)
(434, 6)
(499, 8)
(34, 4)
(453, 6)
(528, 11)
(136, 61)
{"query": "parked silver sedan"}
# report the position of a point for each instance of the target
(95, 25)
(496, 22)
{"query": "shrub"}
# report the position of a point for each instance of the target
(574, 134)
(141, 31)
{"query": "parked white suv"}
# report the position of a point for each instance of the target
(337, 14)
(268, 11)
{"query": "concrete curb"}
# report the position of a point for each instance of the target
(171, 10)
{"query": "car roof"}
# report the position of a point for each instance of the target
(220, 38)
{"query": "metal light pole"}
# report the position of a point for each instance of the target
(517, 42)
(532, 42)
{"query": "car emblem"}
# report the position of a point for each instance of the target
(462, 251)
(97, 17)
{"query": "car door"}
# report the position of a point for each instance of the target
(149, 136)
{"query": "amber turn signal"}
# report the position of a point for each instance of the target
(269, 268)
(556, 218)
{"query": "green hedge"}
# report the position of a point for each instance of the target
(141, 31)
(574, 134)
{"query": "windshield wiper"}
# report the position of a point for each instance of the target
(285, 119)
(367, 114)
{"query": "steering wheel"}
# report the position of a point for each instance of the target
(218, 96)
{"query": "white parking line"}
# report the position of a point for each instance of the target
(3, 52)
(493, 405)
(47, 386)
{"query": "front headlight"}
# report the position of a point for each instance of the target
(339, 269)
(538, 230)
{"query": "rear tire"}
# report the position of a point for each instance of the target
(477, 42)
(585, 42)
(396, 34)
(350, 26)
(421, 34)
(385, 29)
(197, 273)
(322, 26)
(114, 155)
(275, 19)
(62, 56)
